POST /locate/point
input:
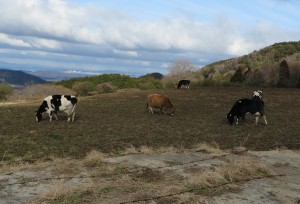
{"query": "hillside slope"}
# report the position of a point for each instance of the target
(19, 77)
(256, 60)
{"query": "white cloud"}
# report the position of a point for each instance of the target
(5, 39)
(96, 33)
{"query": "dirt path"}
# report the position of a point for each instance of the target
(31, 184)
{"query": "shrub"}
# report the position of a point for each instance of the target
(238, 76)
(38, 91)
(284, 74)
(105, 87)
(4, 91)
(83, 88)
(150, 83)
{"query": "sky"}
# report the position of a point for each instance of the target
(137, 36)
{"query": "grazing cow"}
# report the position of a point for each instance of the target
(244, 106)
(183, 84)
(160, 101)
(53, 104)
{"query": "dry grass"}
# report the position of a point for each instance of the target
(244, 167)
(213, 148)
(94, 157)
(118, 183)
(20, 164)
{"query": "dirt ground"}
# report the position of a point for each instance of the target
(32, 183)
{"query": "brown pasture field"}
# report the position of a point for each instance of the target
(112, 122)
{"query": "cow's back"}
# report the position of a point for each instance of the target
(156, 100)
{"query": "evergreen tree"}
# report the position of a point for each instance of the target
(238, 75)
(284, 74)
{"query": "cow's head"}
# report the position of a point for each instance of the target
(175, 85)
(38, 116)
(171, 111)
(230, 118)
(257, 95)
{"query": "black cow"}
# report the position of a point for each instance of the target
(244, 106)
(53, 104)
(183, 84)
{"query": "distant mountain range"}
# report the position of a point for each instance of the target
(50, 75)
(18, 78)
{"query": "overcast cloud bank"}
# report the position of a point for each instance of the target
(138, 36)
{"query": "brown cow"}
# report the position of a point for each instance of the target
(160, 101)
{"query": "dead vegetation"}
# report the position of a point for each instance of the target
(99, 181)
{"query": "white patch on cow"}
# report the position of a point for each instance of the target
(240, 101)
(258, 94)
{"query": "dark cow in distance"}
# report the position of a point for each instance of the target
(244, 106)
(57, 103)
(183, 84)
(160, 101)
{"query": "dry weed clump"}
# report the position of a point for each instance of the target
(130, 150)
(61, 190)
(93, 158)
(235, 170)
(213, 148)
(146, 150)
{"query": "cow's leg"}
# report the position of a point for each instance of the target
(265, 119)
(150, 109)
(237, 120)
(55, 115)
(256, 120)
(257, 117)
(50, 116)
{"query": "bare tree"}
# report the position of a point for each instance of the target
(180, 68)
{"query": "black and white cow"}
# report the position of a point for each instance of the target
(244, 106)
(183, 84)
(55, 103)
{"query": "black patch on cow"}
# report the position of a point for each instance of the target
(41, 110)
(56, 102)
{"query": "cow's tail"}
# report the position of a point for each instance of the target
(73, 109)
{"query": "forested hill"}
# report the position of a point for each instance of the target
(255, 60)
(18, 77)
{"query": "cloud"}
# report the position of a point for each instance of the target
(5, 39)
(93, 35)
